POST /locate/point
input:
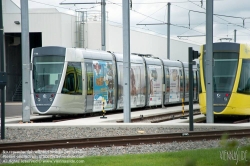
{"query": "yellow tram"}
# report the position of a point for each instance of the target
(231, 78)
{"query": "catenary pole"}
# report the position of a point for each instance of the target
(126, 61)
(168, 35)
(235, 35)
(103, 25)
(25, 61)
(2, 70)
(191, 78)
(209, 62)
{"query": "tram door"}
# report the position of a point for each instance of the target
(90, 95)
(174, 96)
(155, 75)
(137, 85)
(100, 85)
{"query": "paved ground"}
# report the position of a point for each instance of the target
(15, 110)
(12, 109)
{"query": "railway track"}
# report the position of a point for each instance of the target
(123, 140)
(151, 118)
(227, 120)
(162, 117)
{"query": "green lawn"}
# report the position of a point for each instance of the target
(201, 157)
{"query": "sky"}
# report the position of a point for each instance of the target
(187, 17)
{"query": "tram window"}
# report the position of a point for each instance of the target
(194, 81)
(89, 69)
(187, 82)
(73, 79)
(46, 73)
(180, 72)
(167, 79)
(70, 82)
(224, 70)
(194, 85)
(244, 83)
(199, 81)
(142, 78)
(90, 83)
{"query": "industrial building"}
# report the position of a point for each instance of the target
(50, 27)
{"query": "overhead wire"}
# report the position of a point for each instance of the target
(219, 23)
(165, 13)
(218, 17)
(153, 13)
(50, 5)
(156, 19)
(136, 27)
(195, 4)
(136, 12)
(202, 23)
(89, 7)
(59, 6)
(177, 25)
(150, 3)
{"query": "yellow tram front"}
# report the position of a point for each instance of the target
(231, 78)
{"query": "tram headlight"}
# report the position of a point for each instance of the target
(225, 98)
(38, 99)
(51, 99)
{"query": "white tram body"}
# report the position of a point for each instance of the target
(78, 81)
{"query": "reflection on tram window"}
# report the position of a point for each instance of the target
(73, 79)
(167, 80)
(225, 66)
(47, 73)
(90, 83)
(244, 84)
(89, 69)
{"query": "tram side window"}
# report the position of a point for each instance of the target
(194, 83)
(73, 79)
(181, 80)
(195, 88)
(244, 83)
(187, 82)
(89, 70)
(199, 81)
(167, 80)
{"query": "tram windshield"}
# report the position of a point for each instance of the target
(224, 70)
(47, 71)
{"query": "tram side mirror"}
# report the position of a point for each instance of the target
(3, 79)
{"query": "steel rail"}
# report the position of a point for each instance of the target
(176, 116)
(164, 117)
(242, 121)
(123, 140)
